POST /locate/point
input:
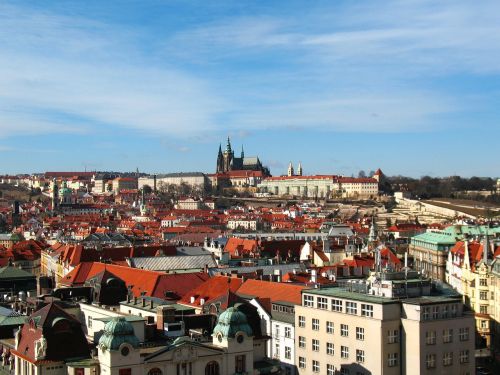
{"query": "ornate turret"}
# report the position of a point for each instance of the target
(65, 194)
(228, 146)
(117, 332)
(233, 334)
(231, 322)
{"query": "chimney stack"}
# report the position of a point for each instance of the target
(164, 314)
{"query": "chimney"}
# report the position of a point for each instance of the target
(164, 314)
(135, 300)
(314, 278)
(192, 299)
(277, 275)
(143, 302)
(326, 245)
(202, 301)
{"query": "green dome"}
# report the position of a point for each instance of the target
(231, 322)
(116, 332)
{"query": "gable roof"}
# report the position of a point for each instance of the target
(239, 247)
(140, 282)
(272, 290)
(210, 289)
(178, 262)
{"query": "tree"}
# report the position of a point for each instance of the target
(361, 174)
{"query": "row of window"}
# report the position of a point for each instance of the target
(285, 309)
(392, 361)
(430, 336)
(447, 359)
(338, 305)
(440, 312)
(288, 351)
(288, 331)
(392, 335)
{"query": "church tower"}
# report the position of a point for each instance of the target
(55, 190)
(234, 336)
(66, 194)
(290, 169)
(299, 169)
(228, 156)
(220, 161)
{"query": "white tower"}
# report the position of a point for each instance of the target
(290, 169)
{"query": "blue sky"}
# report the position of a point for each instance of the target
(412, 87)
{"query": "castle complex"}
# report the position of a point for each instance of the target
(227, 162)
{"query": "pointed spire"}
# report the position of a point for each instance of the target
(299, 169)
(242, 152)
(228, 146)
(372, 236)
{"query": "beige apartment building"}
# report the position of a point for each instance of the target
(495, 313)
(124, 183)
(320, 186)
(370, 328)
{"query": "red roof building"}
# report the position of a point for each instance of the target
(140, 282)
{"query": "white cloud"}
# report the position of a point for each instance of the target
(341, 70)
(86, 78)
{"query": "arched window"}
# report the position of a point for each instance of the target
(212, 368)
(155, 371)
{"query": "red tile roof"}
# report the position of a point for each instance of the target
(215, 287)
(272, 290)
(241, 247)
(150, 283)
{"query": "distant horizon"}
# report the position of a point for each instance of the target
(410, 87)
(208, 173)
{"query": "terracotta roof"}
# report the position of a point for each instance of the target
(213, 288)
(314, 177)
(75, 254)
(62, 331)
(272, 290)
(357, 180)
(151, 283)
(241, 247)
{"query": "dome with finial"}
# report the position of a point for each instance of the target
(117, 332)
(65, 189)
(231, 322)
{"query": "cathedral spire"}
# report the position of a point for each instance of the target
(299, 169)
(228, 146)
(242, 152)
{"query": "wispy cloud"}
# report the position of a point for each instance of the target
(454, 33)
(55, 69)
(361, 67)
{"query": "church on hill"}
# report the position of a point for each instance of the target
(227, 162)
